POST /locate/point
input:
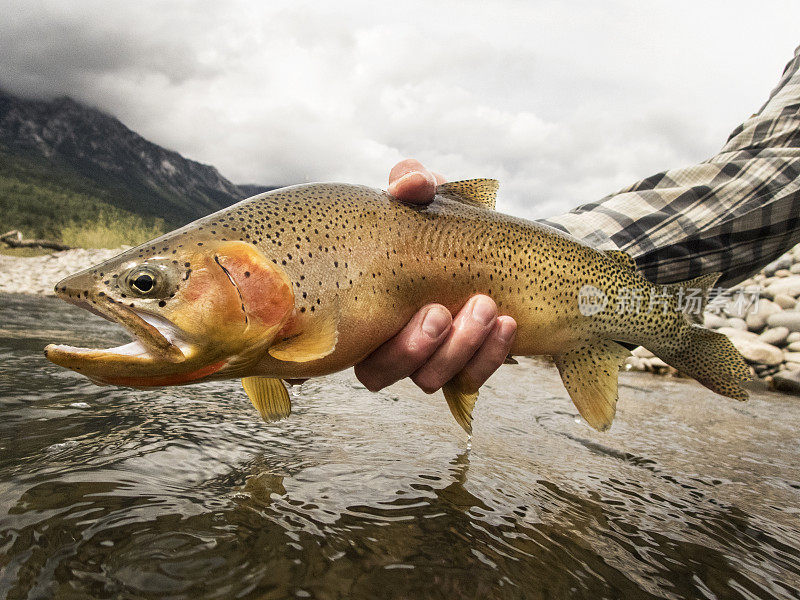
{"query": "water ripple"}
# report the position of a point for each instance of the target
(184, 493)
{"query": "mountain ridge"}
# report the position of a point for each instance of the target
(64, 140)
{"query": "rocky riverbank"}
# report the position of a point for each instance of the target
(761, 316)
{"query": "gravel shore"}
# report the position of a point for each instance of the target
(39, 274)
(763, 321)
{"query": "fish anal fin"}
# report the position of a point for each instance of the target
(316, 336)
(623, 258)
(461, 400)
(475, 192)
(269, 396)
(590, 375)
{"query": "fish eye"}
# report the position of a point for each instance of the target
(142, 281)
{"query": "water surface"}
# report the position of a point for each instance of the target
(185, 493)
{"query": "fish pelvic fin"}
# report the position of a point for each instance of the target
(590, 375)
(623, 258)
(481, 193)
(697, 289)
(710, 358)
(269, 396)
(461, 397)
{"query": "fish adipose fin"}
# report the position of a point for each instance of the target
(316, 339)
(461, 401)
(269, 396)
(623, 258)
(475, 192)
(590, 375)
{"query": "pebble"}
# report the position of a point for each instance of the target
(738, 333)
(787, 381)
(785, 301)
(642, 352)
(783, 262)
(786, 285)
(755, 351)
(794, 336)
(756, 321)
(793, 347)
(775, 336)
(783, 273)
(737, 323)
(713, 321)
(787, 318)
(791, 356)
(634, 363)
(795, 268)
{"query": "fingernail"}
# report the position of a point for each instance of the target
(483, 311)
(435, 322)
(506, 330)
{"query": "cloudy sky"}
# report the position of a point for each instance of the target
(564, 102)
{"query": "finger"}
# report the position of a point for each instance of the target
(400, 356)
(470, 328)
(440, 179)
(410, 182)
(491, 354)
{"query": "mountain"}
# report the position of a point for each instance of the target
(65, 146)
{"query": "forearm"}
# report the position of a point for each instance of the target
(733, 213)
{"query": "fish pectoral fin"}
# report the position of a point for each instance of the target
(475, 192)
(269, 396)
(510, 360)
(623, 258)
(590, 375)
(317, 337)
(461, 400)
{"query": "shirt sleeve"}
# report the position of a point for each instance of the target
(733, 213)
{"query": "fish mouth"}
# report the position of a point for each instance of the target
(156, 341)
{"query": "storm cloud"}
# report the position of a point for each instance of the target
(563, 102)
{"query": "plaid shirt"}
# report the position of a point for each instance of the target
(732, 213)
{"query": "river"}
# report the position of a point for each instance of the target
(185, 493)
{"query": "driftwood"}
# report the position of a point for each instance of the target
(14, 239)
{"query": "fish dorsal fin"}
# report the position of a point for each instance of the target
(316, 337)
(461, 400)
(475, 192)
(269, 396)
(590, 375)
(623, 258)
(694, 293)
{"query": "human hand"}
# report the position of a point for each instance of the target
(434, 347)
(412, 183)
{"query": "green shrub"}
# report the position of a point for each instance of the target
(111, 232)
(46, 201)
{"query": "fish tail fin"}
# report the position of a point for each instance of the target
(709, 357)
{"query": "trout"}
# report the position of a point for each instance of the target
(308, 280)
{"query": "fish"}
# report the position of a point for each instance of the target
(308, 280)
